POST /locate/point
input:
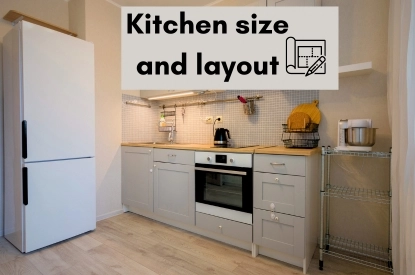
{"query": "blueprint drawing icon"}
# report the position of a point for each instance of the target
(301, 55)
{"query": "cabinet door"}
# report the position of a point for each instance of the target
(137, 177)
(286, 193)
(283, 233)
(174, 191)
(293, 3)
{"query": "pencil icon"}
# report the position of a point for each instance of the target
(313, 68)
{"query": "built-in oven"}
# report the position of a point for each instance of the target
(224, 185)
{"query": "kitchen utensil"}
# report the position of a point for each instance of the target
(360, 136)
(298, 121)
(242, 99)
(221, 137)
(310, 109)
(249, 107)
(355, 135)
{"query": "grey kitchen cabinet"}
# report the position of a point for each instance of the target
(174, 156)
(280, 232)
(286, 209)
(277, 3)
(233, 229)
(281, 193)
(174, 187)
(137, 177)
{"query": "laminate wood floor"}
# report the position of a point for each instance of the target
(132, 244)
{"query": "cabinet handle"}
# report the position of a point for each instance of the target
(277, 179)
(24, 139)
(171, 155)
(277, 163)
(274, 217)
(25, 187)
(272, 206)
(220, 227)
(151, 170)
(154, 165)
(149, 151)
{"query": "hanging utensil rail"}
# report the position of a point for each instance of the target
(257, 97)
(137, 104)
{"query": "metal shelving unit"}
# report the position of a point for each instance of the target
(358, 252)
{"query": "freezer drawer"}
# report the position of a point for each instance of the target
(60, 201)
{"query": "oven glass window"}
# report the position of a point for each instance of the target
(224, 189)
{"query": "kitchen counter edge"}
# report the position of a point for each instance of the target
(270, 150)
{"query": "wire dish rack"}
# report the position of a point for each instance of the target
(301, 137)
(169, 124)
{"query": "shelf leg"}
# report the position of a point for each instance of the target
(322, 188)
(320, 265)
(390, 213)
(328, 204)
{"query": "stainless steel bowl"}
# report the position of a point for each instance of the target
(361, 136)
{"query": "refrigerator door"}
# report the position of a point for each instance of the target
(58, 94)
(60, 201)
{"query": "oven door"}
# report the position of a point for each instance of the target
(224, 186)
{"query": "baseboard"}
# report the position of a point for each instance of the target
(109, 215)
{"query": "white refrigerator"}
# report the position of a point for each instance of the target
(49, 136)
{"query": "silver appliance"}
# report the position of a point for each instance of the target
(355, 135)
(224, 185)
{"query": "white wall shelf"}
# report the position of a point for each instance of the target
(355, 69)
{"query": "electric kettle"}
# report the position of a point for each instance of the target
(222, 137)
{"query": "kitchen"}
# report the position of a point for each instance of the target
(358, 97)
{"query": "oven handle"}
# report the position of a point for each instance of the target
(221, 171)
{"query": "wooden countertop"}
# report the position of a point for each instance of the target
(281, 150)
(272, 150)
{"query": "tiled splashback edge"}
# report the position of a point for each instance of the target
(262, 128)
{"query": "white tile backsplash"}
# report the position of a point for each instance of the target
(262, 128)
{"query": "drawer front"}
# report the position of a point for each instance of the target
(281, 164)
(138, 150)
(285, 235)
(286, 193)
(225, 227)
(291, 3)
(175, 156)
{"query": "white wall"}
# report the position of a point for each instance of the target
(51, 11)
(363, 36)
(103, 25)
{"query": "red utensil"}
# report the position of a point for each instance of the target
(241, 99)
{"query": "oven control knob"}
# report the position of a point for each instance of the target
(231, 160)
(209, 159)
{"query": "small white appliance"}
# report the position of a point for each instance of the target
(49, 136)
(345, 132)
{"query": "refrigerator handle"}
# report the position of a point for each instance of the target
(24, 139)
(25, 187)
